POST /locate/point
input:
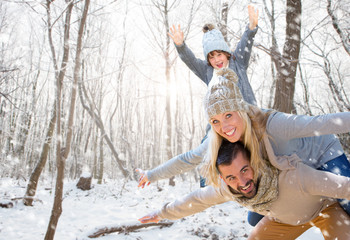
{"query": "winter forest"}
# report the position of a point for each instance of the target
(97, 88)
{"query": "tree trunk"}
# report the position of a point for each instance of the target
(223, 21)
(95, 159)
(287, 64)
(168, 121)
(98, 121)
(101, 160)
(62, 154)
(343, 36)
(34, 177)
(59, 75)
(57, 205)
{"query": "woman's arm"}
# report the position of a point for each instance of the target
(177, 165)
(288, 126)
(322, 183)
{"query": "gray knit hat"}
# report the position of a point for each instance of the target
(224, 95)
(213, 40)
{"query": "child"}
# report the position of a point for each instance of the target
(218, 54)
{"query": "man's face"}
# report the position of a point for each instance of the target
(239, 176)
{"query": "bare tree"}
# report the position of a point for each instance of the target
(88, 105)
(101, 161)
(335, 80)
(224, 18)
(163, 8)
(161, 12)
(91, 99)
(57, 206)
(286, 63)
(59, 76)
(344, 35)
(62, 153)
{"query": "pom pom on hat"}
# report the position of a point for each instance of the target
(208, 27)
(213, 40)
(224, 95)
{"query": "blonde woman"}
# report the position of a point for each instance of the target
(311, 138)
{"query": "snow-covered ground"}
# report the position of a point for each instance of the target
(113, 203)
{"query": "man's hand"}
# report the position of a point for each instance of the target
(143, 180)
(177, 35)
(253, 17)
(152, 217)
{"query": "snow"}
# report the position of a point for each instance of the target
(115, 202)
(85, 175)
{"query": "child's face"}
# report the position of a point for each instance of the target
(217, 59)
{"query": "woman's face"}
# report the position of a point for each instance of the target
(229, 125)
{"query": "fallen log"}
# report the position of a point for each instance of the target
(126, 228)
(4, 204)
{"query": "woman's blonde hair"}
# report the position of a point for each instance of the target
(255, 128)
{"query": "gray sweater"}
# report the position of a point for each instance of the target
(311, 138)
(239, 65)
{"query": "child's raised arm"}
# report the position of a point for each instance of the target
(253, 17)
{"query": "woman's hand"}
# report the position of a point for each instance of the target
(152, 217)
(253, 17)
(176, 34)
(143, 180)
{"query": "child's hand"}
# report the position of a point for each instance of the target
(152, 217)
(143, 180)
(177, 35)
(253, 17)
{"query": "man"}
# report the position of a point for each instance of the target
(293, 197)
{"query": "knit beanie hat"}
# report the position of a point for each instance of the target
(213, 40)
(224, 95)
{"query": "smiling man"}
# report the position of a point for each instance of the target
(237, 174)
(292, 198)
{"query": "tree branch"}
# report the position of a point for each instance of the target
(335, 24)
(128, 227)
